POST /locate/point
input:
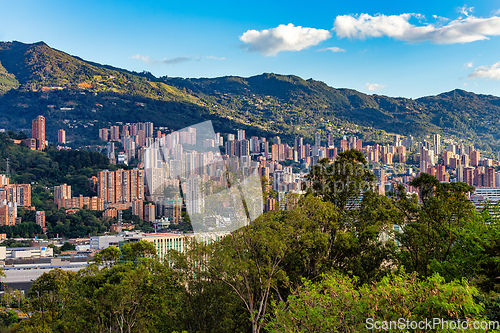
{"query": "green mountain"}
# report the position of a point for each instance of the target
(292, 104)
(37, 66)
(82, 96)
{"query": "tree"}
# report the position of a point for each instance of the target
(125, 298)
(250, 261)
(48, 297)
(489, 276)
(357, 243)
(136, 250)
(108, 256)
(334, 304)
(68, 247)
(364, 242)
(443, 232)
(343, 181)
(128, 296)
(208, 305)
(8, 318)
(261, 261)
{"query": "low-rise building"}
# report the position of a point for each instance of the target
(102, 242)
(25, 252)
(163, 242)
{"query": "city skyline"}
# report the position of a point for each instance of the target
(391, 48)
(260, 199)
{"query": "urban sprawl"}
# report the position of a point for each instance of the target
(166, 174)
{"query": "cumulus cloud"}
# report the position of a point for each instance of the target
(270, 42)
(374, 86)
(486, 72)
(469, 64)
(333, 49)
(465, 30)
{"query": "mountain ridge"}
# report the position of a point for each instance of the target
(269, 102)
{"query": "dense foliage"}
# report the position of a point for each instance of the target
(335, 304)
(52, 167)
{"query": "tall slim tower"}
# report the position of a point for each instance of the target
(330, 140)
(437, 143)
(148, 129)
(61, 136)
(317, 139)
(241, 134)
(38, 132)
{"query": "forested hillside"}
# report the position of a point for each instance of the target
(92, 95)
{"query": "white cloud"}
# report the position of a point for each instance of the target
(486, 72)
(215, 58)
(465, 10)
(469, 64)
(333, 49)
(145, 59)
(270, 42)
(398, 27)
(374, 86)
(440, 18)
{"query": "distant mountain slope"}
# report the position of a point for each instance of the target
(302, 106)
(267, 103)
(36, 79)
(37, 66)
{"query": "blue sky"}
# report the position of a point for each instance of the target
(394, 48)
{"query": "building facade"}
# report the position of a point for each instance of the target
(38, 132)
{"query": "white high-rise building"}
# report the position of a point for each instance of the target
(427, 159)
(193, 195)
(317, 139)
(330, 140)
(254, 144)
(460, 173)
(437, 143)
(241, 135)
(278, 178)
(61, 136)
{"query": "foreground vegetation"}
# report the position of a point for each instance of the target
(323, 265)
